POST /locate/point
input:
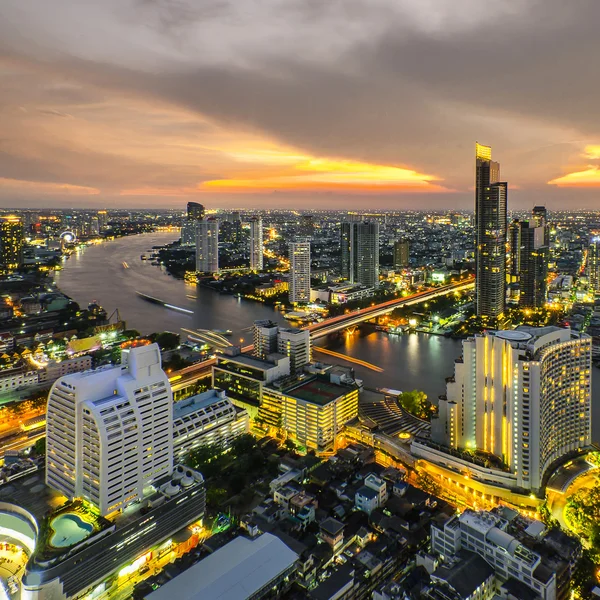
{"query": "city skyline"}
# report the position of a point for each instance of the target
(156, 104)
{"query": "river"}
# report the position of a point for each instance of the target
(112, 272)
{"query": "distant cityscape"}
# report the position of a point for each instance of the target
(262, 462)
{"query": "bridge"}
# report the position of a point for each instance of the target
(340, 322)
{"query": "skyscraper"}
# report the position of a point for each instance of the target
(109, 431)
(593, 264)
(522, 395)
(264, 337)
(490, 227)
(102, 219)
(539, 215)
(514, 249)
(207, 246)
(11, 243)
(300, 271)
(195, 211)
(533, 265)
(401, 254)
(360, 252)
(256, 244)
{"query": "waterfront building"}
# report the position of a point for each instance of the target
(207, 419)
(401, 254)
(313, 410)
(195, 211)
(491, 232)
(264, 336)
(262, 567)
(300, 271)
(295, 343)
(523, 397)
(102, 219)
(593, 265)
(109, 431)
(360, 252)
(207, 246)
(244, 377)
(11, 243)
(533, 264)
(488, 534)
(188, 233)
(256, 244)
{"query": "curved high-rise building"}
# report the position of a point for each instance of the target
(522, 395)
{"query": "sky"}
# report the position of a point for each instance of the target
(347, 104)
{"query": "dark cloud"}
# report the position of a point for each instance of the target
(411, 83)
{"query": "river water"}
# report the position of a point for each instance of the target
(111, 274)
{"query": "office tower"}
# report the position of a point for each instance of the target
(514, 249)
(360, 252)
(256, 244)
(102, 219)
(11, 243)
(195, 211)
(401, 254)
(490, 227)
(109, 431)
(300, 271)
(207, 246)
(523, 396)
(294, 343)
(533, 265)
(264, 337)
(539, 216)
(306, 228)
(593, 265)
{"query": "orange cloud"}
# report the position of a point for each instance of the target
(592, 152)
(590, 177)
(309, 173)
(45, 187)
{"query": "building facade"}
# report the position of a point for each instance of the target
(207, 246)
(300, 271)
(593, 265)
(523, 396)
(207, 419)
(256, 244)
(264, 337)
(401, 254)
(360, 252)
(11, 243)
(533, 263)
(490, 232)
(109, 431)
(295, 343)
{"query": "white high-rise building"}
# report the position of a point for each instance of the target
(207, 246)
(188, 233)
(522, 395)
(256, 244)
(109, 432)
(294, 343)
(300, 271)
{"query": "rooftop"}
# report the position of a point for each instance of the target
(467, 574)
(252, 361)
(318, 391)
(194, 403)
(234, 572)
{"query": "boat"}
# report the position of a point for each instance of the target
(222, 331)
(160, 302)
(143, 257)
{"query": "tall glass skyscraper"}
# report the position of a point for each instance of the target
(360, 252)
(256, 244)
(593, 264)
(11, 243)
(491, 230)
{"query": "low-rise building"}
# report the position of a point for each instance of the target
(54, 370)
(18, 379)
(207, 419)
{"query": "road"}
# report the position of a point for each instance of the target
(557, 501)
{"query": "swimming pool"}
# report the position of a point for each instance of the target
(68, 530)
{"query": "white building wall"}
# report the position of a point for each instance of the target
(300, 271)
(207, 246)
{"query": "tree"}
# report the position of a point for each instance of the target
(166, 340)
(131, 334)
(416, 404)
(215, 496)
(39, 448)
(427, 484)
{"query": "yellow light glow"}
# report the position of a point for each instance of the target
(483, 152)
(590, 177)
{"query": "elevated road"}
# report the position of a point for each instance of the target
(340, 322)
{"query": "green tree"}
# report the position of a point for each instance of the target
(416, 403)
(166, 340)
(39, 448)
(215, 496)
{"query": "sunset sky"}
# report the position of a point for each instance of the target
(297, 103)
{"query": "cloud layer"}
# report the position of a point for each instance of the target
(146, 102)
